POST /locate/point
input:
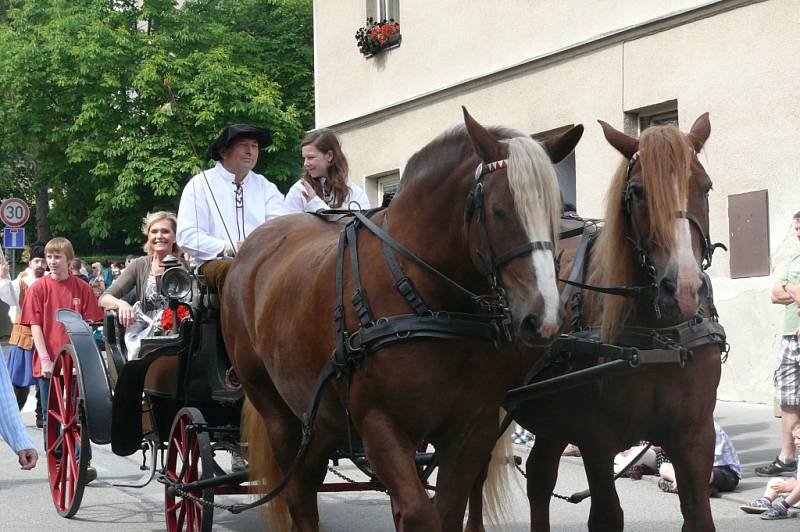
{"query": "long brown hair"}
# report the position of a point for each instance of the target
(665, 156)
(326, 141)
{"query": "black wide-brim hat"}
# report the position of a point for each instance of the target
(231, 133)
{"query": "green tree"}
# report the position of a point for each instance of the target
(86, 104)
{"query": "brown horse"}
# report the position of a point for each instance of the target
(280, 299)
(661, 180)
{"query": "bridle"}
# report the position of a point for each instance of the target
(639, 242)
(475, 205)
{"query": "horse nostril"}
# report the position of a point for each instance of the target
(532, 322)
(669, 286)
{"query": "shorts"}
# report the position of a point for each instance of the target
(724, 478)
(787, 376)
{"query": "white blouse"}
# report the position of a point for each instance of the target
(296, 201)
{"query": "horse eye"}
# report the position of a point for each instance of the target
(638, 191)
(499, 214)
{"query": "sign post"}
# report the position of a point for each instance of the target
(14, 212)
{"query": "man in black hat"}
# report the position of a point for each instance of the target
(221, 206)
(20, 364)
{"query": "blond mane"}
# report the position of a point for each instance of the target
(533, 183)
(665, 156)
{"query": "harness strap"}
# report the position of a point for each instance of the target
(359, 299)
(521, 250)
(338, 314)
(579, 263)
(402, 283)
(624, 291)
(388, 331)
(408, 254)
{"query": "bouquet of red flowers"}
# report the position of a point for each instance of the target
(167, 318)
(376, 36)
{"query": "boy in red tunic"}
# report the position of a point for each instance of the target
(42, 300)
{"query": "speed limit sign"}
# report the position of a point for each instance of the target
(14, 212)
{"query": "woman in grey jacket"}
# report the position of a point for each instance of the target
(144, 273)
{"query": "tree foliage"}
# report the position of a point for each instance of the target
(85, 100)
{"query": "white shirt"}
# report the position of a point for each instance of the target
(297, 202)
(202, 231)
(9, 291)
(724, 453)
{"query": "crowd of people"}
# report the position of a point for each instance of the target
(218, 209)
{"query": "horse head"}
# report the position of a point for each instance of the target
(512, 213)
(658, 212)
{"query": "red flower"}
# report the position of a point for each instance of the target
(166, 316)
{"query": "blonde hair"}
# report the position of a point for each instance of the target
(61, 245)
(154, 217)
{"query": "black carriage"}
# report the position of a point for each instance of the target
(176, 402)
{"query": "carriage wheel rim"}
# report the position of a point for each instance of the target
(64, 435)
(188, 448)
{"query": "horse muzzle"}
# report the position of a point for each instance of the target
(536, 332)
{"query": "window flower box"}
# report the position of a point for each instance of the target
(376, 37)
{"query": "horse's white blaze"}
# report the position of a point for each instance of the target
(537, 201)
(545, 271)
(688, 277)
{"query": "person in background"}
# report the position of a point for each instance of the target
(771, 505)
(55, 291)
(20, 359)
(725, 474)
(786, 292)
(97, 281)
(11, 427)
(221, 206)
(324, 184)
(75, 269)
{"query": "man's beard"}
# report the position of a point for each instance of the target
(38, 272)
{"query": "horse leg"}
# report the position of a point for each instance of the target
(605, 513)
(391, 455)
(462, 470)
(275, 422)
(475, 515)
(541, 470)
(692, 455)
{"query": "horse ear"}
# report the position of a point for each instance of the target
(621, 142)
(701, 129)
(561, 145)
(486, 146)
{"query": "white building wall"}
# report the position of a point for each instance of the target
(569, 62)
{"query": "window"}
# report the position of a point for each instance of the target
(565, 170)
(381, 184)
(379, 10)
(637, 120)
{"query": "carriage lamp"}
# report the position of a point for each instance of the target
(176, 283)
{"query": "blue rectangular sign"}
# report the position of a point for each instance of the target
(13, 237)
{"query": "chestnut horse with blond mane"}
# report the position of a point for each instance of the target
(654, 235)
(488, 230)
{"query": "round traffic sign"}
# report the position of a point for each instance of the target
(14, 212)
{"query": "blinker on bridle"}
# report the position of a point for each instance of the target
(475, 202)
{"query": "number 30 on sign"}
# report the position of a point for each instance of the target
(14, 212)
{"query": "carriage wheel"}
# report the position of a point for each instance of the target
(189, 459)
(65, 437)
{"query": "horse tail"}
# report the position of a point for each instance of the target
(499, 479)
(263, 468)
